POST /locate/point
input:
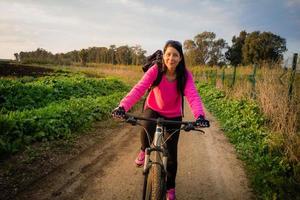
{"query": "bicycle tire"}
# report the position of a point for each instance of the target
(154, 181)
(145, 186)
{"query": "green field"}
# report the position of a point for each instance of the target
(52, 106)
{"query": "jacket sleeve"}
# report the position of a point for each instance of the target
(139, 89)
(193, 97)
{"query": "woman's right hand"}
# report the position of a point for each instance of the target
(118, 112)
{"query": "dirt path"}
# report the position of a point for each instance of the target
(208, 169)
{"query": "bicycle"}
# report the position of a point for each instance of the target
(155, 164)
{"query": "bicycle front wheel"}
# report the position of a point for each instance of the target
(154, 183)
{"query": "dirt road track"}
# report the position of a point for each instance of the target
(208, 169)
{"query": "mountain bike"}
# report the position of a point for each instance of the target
(156, 156)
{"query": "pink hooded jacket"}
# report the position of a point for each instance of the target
(165, 98)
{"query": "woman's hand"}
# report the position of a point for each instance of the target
(118, 112)
(202, 122)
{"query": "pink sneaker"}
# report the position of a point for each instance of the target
(139, 161)
(171, 194)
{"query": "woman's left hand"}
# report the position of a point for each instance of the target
(202, 122)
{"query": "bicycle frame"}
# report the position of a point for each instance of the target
(157, 145)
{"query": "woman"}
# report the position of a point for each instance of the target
(165, 100)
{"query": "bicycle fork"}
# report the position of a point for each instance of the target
(157, 146)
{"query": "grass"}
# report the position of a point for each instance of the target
(297, 88)
(272, 175)
(270, 93)
(128, 74)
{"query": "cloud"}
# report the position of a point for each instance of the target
(61, 26)
(292, 3)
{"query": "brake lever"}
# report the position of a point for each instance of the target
(188, 127)
(199, 130)
(131, 120)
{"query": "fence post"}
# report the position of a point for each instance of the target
(234, 77)
(205, 76)
(196, 75)
(214, 77)
(292, 77)
(210, 76)
(223, 76)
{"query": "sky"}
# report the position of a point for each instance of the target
(62, 26)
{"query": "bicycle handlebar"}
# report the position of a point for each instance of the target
(188, 125)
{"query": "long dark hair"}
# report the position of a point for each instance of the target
(181, 74)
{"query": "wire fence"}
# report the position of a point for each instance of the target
(288, 62)
(230, 77)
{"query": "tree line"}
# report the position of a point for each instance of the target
(123, 55)
(204, 49)
(246, 48)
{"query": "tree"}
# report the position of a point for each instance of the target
(190, 52)
(264, 46)
(102, 55)
(92, 54)
(204, 42)
(123, 55)
(217, 56)
(16, 56)
(111, 54)
(234, 53)
(205, 49)
(73, 56)
(83, 54)
(21, 56)
(138, 55)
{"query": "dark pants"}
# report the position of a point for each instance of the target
(171, 143)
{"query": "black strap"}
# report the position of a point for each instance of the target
(182, 104)
(158, 79)
(148, 91)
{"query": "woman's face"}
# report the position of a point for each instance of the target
(171, 58)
